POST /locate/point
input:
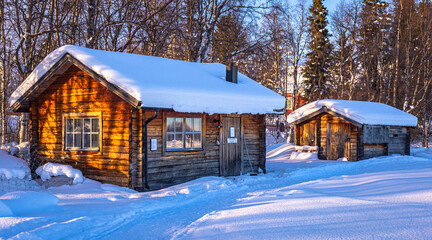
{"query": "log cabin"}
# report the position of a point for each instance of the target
(352, 130)
(94, 109)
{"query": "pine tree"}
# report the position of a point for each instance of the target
(373, 49)
(229, 38)
(316, 73)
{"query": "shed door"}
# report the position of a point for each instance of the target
(231, 147)
(337, 141)
(308, 134)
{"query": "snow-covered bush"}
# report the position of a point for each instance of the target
(49, 170)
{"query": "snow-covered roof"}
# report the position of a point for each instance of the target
(166, 83)
(365, 113)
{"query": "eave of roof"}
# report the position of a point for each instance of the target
(22, 104)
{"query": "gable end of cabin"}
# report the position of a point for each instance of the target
(79, 122)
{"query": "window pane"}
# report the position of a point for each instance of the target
(95, 140)
(179, 124)
(69, 140)
(197, 140)
(188, 140)
(170, 141)
(77, 125)
(95, 125)
(86, 140)
(87, 126)
(77, 140)
(189, 125)
(170, 124)
(179, 141)
(197, 125)
(69, 125)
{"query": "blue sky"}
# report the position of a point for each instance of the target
(331, 4)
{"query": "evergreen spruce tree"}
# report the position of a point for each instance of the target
(373, 49)
(316, 73)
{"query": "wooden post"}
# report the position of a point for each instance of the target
(133, 149)
(34, 139)
(318, 137)
(262, 161)
(408, 142)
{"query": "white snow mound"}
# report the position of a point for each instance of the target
(369, 113)
(18, 203)
(13, 167)
(49, 170)
(304, 156)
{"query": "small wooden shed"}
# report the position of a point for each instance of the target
(94, 109)
(354, 130)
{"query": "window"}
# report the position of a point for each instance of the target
(82, 133)
(183, 133)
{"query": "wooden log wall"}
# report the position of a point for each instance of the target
(375, 150)
(350, 146)
(399, 139)
(167, 168)
(34, 139)
(319, 136)
(76, 92)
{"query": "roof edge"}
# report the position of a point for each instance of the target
(21, 104)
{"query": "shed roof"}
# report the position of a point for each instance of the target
(365, 113)
(157, 82)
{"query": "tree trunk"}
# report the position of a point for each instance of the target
(3, 74)
(91, 24)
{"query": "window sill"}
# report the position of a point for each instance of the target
(184, 152)
(82, 151)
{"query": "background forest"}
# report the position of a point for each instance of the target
(365, 50)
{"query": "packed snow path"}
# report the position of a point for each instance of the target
(387, 197)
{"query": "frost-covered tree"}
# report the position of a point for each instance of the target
(316, 73)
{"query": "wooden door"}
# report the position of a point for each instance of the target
(231, 147)
(337, 141)
(308, 134)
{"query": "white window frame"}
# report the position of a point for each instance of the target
(184, 133)
(82, 117)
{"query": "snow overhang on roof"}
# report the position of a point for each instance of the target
(154, 82)
(359, 112)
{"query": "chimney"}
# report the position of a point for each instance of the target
(231, 73)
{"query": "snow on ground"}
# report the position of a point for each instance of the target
(385, 197)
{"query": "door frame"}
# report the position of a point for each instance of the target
(222, 142)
